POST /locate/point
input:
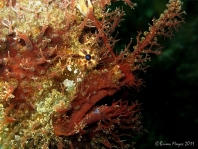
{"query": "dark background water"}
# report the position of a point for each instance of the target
(169, 98)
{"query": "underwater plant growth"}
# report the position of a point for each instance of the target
(58, 64)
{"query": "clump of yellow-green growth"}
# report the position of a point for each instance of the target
(28, 16)
(6, 90)
(34, 130)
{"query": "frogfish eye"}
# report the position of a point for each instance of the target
(88, 57)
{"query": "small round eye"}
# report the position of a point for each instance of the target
(88, 57)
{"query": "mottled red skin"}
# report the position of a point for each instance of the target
(84, 110)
